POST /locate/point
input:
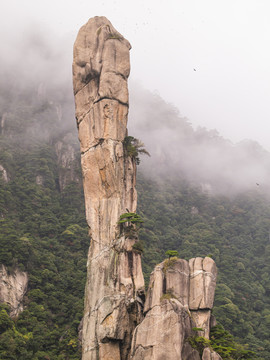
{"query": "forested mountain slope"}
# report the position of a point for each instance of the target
(234, 231)
(185, 202)
(43, 229)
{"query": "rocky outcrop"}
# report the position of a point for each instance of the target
(66, 160)
(163, 332)
(3, 174)
(117, 324)
(203, 274)
(115, 285)
(208, 354)
(12, 289)
(175, 304)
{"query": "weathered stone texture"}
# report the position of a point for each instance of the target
(203, 274)
(202, 320)
(115, 283)
(210, 355)
(181, 293)
(12, 289)
(162, 333)
(169, 318)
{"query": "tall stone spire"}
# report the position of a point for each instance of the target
(180, 295)
(115, 283)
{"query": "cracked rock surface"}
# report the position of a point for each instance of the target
(113, 305)
(203, 273)
(117, 324)
(170, 314)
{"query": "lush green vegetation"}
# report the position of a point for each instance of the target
(134, 147)
(172, 253)
(133, 218)
(233, 231)
(43, 231)
(130, 224)
(222, 342)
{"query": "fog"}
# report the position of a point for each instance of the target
(37, 69)
(202, 156)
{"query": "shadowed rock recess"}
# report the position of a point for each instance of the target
(117, 324)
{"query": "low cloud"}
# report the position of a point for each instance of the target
(37, 66)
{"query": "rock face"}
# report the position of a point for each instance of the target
(115, 284)
(66, 160)
(3, 174)
(203, 274)
(171, 312)
(12, 289)
(117, 325)
(210, 355)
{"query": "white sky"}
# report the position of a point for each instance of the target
(225, 41)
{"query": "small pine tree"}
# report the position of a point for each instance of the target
(172, 253)
(133, 147)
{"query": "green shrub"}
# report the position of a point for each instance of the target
(169, 263)
(133, 147)
(172, 253)
(130, 217)
(199, 343)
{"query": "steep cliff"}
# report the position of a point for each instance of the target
(180, 298)
(12, 289)
(115, 283)
(181, 293)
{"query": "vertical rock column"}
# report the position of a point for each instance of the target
(114, 276)
(180, 298)
(203, 274)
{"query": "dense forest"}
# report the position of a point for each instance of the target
(187, 205)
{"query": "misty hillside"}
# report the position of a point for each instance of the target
(197, 193)
(201, 155)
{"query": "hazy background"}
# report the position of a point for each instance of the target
(225, 41)
(199, 84)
